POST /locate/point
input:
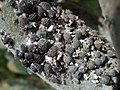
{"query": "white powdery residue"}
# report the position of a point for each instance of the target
(76, 64)
(70, 22)
(28, 42)
(57, 39)
(88, 29)
(58, 30)
(95, 81)
(82, 41)
(51, 41)
(32, 64)
(85, 59)
(92, 54)
(95, 76)
(77, 51)
(59, 55)
(92, 48)
(35, 43)
(6, 45)
(109, 62)
(86, 77)
(67, 28)
(88, 54)
(50, 28)
(92, 59)
(73, 35)
(48, 59)
(71, 63)
(99, 77)
(33, 24)
(70, 33)
(75, 54)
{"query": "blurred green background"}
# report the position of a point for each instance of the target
(13, 76)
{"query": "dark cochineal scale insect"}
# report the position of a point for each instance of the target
(105, 79)
(90, 41)
(20, 55)
(26, 63)
(82, 69)
(97, 54)
(111, 53)
(98, 61)
(82, 54)
(69, 49)
(33, 17)
(11, 3)
(52, 51)
(29, 55)
(23, 20)
(33, 48)
(73, 24)
(38, 67)
(65, 18)
(99, 71)
(45, 22)
(18, 13)
(41, 34)
(56, 69)
(78, 75)
(98, 45)
(78, 34)
(24, 48)
(34, 38)
(26, 7)
(45, 5)
(104, 58)
(112, 72)
(43, 45)
(67, 37)
(91, 65)
(9, 41)
(33, 68)
(67, 58)
(47, 68)
(76, 43)
(39, 58)
(72, 69)
(51, 13)
(54, 79)
(40, 11)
